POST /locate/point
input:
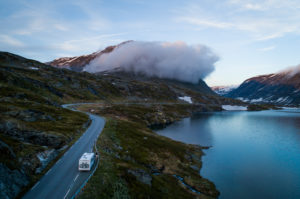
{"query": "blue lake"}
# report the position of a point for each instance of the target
(252, 155)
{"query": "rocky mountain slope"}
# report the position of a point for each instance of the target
(223, 90)
(281, 88)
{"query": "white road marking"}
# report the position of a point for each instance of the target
(35, 185)
(48, 171)
(67, 193)
(76, 177)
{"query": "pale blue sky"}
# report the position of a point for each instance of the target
(251, 37)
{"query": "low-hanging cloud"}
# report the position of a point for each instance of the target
(292, 70)
(176, 60)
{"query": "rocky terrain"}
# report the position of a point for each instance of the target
(279, 88)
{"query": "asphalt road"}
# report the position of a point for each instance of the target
(64, 179)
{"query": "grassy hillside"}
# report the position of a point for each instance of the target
(34, 129)
(137, 163)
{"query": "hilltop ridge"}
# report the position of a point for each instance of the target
(281, 88)
(78, 63)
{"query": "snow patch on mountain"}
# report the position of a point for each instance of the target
(234, 108)
(257, 100)
(186, 98)
(33, 68)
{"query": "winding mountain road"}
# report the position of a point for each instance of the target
(63, 179)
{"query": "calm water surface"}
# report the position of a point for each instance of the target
(253, 154)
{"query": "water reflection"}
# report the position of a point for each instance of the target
(190, 130)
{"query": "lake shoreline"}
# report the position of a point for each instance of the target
(136, 163)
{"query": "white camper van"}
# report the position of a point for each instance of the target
(86, 161)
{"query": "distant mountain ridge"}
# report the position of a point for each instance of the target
(281, 88)
(223, 90)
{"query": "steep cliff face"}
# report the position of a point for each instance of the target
(279, 88)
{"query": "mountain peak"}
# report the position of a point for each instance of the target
(77, 63)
